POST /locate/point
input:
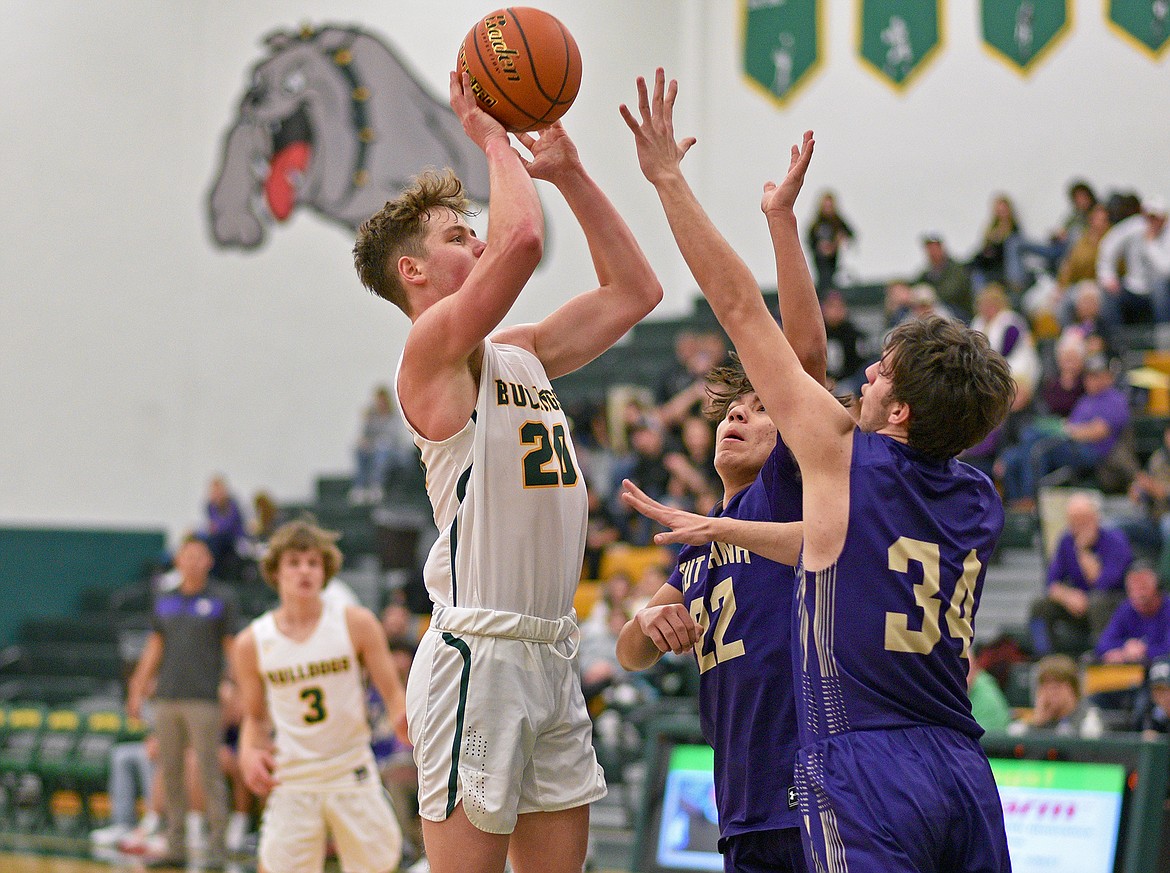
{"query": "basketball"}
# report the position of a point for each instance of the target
(524, 65)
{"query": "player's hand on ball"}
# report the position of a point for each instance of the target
(688, 528)
(553, 153)
(670, 627)
(659, 155)
(480, 126)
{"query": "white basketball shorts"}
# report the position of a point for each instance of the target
(497, 718)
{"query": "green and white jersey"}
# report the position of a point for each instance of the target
(508, 498)
(315, 697)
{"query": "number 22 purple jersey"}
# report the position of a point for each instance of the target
(746, 707)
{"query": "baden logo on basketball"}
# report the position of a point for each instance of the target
(524, 67)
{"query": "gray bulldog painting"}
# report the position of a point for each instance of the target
(333, 121)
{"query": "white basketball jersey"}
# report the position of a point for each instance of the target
(315, 697)
(508, 497)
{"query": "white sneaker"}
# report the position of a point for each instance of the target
(137, 842)
(422, 865)
(237, 831)
(196, 832)
(150, 823)
(108, 836)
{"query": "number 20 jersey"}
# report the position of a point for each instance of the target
(881, 636)
(509, 502)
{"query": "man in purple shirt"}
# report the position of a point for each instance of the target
(1085, 581)
(1089, 435)
(1140, 628)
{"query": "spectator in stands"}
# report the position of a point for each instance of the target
(1008, 333)
(186, 652)
(602, 530)
(1087, 437)
(1152, 708)
(998, 257)
(924, 303)
(1142, 243)
(591, 440)
(645, 466)
(949, 278)
(1081, 199)
(1080, 261)
(1149, 493)
(845, 362)
(682, 389)
(383, 445)
(265, 517)
(1058, 706)
(395, 758)
(618, 587)
(1062, 381)
(597, 655)
(1086, 318)
(827, 235)
(1140, 627)
(899, 301)
(396, 619)
(988, 705)
(691, 463)
(131, 777)
(226, 533)
(1085, 581)
(1122, 205)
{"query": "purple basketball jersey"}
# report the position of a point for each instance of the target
(881, 637)
(745, 686)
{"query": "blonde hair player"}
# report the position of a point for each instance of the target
(502, 738)
(299, 671)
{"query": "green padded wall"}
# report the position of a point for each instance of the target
(44, 570)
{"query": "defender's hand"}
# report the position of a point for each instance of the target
(659, 155)
(670, 627)
(689, 528)
(781, 198)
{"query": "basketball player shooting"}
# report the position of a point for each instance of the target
(502, 738)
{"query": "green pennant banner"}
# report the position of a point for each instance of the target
(898, 37)
(781, 44)
(1021, 31)
(1146, 23)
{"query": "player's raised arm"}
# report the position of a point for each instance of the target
(800, 309)
(466, 287)
(807, 416)
(628, 289)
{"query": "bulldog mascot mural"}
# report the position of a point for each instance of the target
(333, 121)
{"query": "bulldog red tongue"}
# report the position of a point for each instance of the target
(280, 187)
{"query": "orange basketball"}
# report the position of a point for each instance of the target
(524, 66)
